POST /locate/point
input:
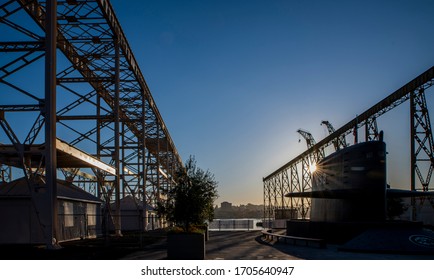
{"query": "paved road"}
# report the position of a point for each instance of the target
(236, 245)
(242, 246)
(248, 245)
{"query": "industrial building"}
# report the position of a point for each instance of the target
(79, 212)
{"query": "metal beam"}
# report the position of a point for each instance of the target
(80, 173)
(129, 56)
(21, 108)
(81, 64)
(84, 157)
(21, 46)
(85, 117)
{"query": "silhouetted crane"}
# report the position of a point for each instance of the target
(316, 155)
(308, 137)
(339, 142)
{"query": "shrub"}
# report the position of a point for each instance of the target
(191, 201)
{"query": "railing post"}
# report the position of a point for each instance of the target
(86, 230)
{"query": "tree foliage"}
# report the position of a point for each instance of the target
(191, 201)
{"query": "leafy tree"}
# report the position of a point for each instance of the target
(191, 201)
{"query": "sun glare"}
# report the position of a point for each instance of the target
(312, 167)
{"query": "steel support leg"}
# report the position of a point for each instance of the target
(117, 219)
(50, 124)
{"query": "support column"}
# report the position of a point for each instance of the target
(100, 192)
(412, 143)
(50, 123)
(356, 132)
(157, 172)
(412, 155)
(117, 219)
(142, 154)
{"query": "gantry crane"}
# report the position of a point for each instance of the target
(310, 141)
(308, 137)
(339, 142)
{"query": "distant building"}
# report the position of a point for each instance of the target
(226, 205)
(229, 211)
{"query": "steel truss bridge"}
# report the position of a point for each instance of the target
(75, 105)
(295, 176)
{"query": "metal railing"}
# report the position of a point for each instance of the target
(235, 224)
(82, 226)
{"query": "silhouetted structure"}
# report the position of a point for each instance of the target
(344, 194)
(79, 213)
(78, 48)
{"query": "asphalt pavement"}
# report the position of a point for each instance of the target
(249, 245)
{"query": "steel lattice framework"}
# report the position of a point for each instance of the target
(422, 154)
(104, 130)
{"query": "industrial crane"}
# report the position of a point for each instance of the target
(339, 142)
(318, 154)
(308, 137)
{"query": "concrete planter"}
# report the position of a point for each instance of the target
(185, 246)
(205, 231)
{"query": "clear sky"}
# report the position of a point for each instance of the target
(235, 79)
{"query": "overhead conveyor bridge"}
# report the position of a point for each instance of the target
(67, 68)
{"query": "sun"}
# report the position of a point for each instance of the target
(312, 167)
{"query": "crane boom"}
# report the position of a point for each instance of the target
(308, 137)
(310, 141)
(339, 142)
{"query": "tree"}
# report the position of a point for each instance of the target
(191, 201)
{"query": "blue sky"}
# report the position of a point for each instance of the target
(235, 79)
